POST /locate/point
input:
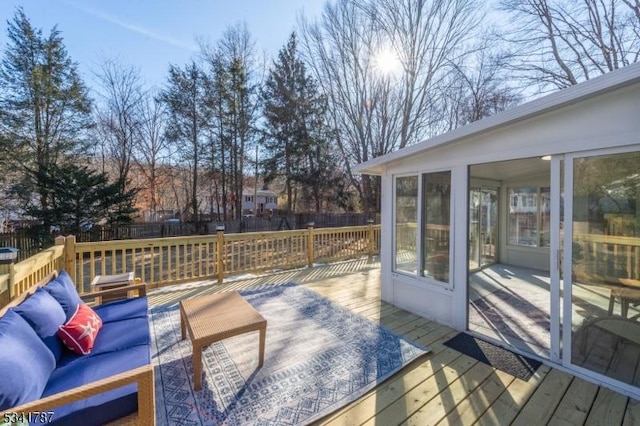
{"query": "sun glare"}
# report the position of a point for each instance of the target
(386, 62)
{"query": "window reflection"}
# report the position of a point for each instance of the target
(606, 265)
(529, 216)
(406, 216)
(436, 201)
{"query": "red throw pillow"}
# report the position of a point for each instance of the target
(79, 333)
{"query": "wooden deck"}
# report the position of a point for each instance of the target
(443, 387)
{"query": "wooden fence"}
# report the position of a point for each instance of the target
(27, 243)
(30, 241)
(165, 261)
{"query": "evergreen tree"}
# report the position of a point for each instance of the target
(44, 107)
(79, 195)
(296, 136)
(241, 116)
(185, 98)
(317, 175)
(233, 105)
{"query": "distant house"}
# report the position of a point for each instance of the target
(260, 203)
(524, 228)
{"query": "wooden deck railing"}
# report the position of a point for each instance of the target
(604, 257)
(163, 261)
(20, 276)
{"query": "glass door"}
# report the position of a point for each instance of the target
(483, 223)
(601, 326)
(513, 284)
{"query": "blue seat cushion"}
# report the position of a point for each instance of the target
(122, 309)
(64, 291)
(44, 314)
(115, 336)
(25, 362)
(89, 369)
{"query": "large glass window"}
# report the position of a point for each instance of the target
(406, 216)
(436, 221)
(529, 216)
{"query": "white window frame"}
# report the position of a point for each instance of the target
(420, 205)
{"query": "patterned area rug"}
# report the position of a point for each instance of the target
(319, 357)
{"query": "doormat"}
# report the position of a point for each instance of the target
(517, 365)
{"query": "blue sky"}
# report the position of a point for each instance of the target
(151, 34)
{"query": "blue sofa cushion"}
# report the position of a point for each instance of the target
(44, 314)
(25, 362)
(88, 369)
(64, 291)
(115, 336)
(122, 309)
(120, 335)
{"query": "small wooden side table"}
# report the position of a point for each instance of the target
(216, 317)
(107, 282)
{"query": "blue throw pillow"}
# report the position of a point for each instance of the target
(64, 291)
(44, 314)
(25, 362)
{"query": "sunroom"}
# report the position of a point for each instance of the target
(524, 229)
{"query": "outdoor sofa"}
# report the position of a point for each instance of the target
(43, 381)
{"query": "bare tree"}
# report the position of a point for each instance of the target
(232, 100)
(477, 88)
(634, 6)
(428, 37)
(377, 109)
(119, 120)
(558, 43)
(152, 149)
(179, 188)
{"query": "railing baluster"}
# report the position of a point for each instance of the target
(161, 263)
(152, 262)
(169, 256)
(103, 266)
(192, 251)
(92, 264)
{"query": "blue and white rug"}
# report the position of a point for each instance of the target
(319, 357)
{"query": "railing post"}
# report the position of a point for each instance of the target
(310, 245)
(370, 233)
(70, 256)
(220, 250)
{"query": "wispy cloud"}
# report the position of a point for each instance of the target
(172, 41)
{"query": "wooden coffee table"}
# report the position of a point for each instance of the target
(217, 317)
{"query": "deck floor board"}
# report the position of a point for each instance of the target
(443, 387)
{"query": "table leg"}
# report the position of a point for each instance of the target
(263, 335)
(197, 367)
(182, 325)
